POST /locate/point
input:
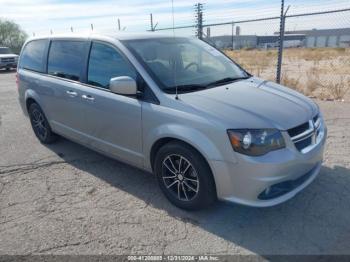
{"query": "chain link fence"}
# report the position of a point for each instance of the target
(316, 49)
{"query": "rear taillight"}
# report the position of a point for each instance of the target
(17, 80)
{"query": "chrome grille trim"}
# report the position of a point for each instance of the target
(315, 131)
(8, 59)
(305, 134)
(318, 123)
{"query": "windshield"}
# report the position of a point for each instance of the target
(5, 51)
(189, 64)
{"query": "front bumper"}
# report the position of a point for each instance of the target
(253, 181)
(8, 65)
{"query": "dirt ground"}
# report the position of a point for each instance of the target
(66, 199)
(319, 72)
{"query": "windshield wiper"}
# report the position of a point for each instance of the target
(185, 88)
(226, 80)
(196, 87)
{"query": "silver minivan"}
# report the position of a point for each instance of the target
(176, 107)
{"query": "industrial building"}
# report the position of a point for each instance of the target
(305, 38)
(254, 41)
(325, 37)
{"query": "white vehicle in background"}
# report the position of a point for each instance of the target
(8, 59)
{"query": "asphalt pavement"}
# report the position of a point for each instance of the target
(67, 199)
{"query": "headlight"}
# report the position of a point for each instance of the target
(255, 142)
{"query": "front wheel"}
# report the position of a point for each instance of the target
(184, 176)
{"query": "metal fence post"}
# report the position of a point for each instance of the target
(280, 45)
(281, 40)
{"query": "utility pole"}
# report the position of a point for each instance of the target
(199, 20)
(118, 24)
(151, 17)
(281, 40)
(92, 27)
(153, 26)
(208, 32)
(232, 32)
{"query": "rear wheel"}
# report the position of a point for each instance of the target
(40, 125)
(184, 176)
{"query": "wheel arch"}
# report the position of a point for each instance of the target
(195, 138)
(160, 143)
(165, 140)
(31, 97)
(29, 102)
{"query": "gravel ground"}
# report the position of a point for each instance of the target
(66, 199)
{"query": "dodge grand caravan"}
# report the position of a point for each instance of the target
(176, 107)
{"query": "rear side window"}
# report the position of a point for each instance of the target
(33, 56)
(105, 63)
(66, 59)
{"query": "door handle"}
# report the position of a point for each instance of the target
(72, 93)
(88, 97)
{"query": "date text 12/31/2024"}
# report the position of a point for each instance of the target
(173, 258)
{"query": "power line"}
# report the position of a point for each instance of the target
(257, 19)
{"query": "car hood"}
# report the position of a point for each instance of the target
(8, 55)
(253, 103)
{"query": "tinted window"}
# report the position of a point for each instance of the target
(66, 59)
(105, 63)
(32, 57)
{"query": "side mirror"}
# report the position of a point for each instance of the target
(123, 85)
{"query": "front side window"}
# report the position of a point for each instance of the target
(188, 64)
(66, 59)
(106, 63)
(32, 57)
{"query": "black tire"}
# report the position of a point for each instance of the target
(40, 125)
(183, 193)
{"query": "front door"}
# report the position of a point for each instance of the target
(112, 121)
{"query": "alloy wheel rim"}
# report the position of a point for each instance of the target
(39, 123)
(180, 177)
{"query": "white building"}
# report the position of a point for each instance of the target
(325, 37)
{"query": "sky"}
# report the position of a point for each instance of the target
(43, 16)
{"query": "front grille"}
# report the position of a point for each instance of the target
(306, 134)
(8, 60)
(303, 143)
(299, 129)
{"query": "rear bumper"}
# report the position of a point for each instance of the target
(268, 180)
(22, 103)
